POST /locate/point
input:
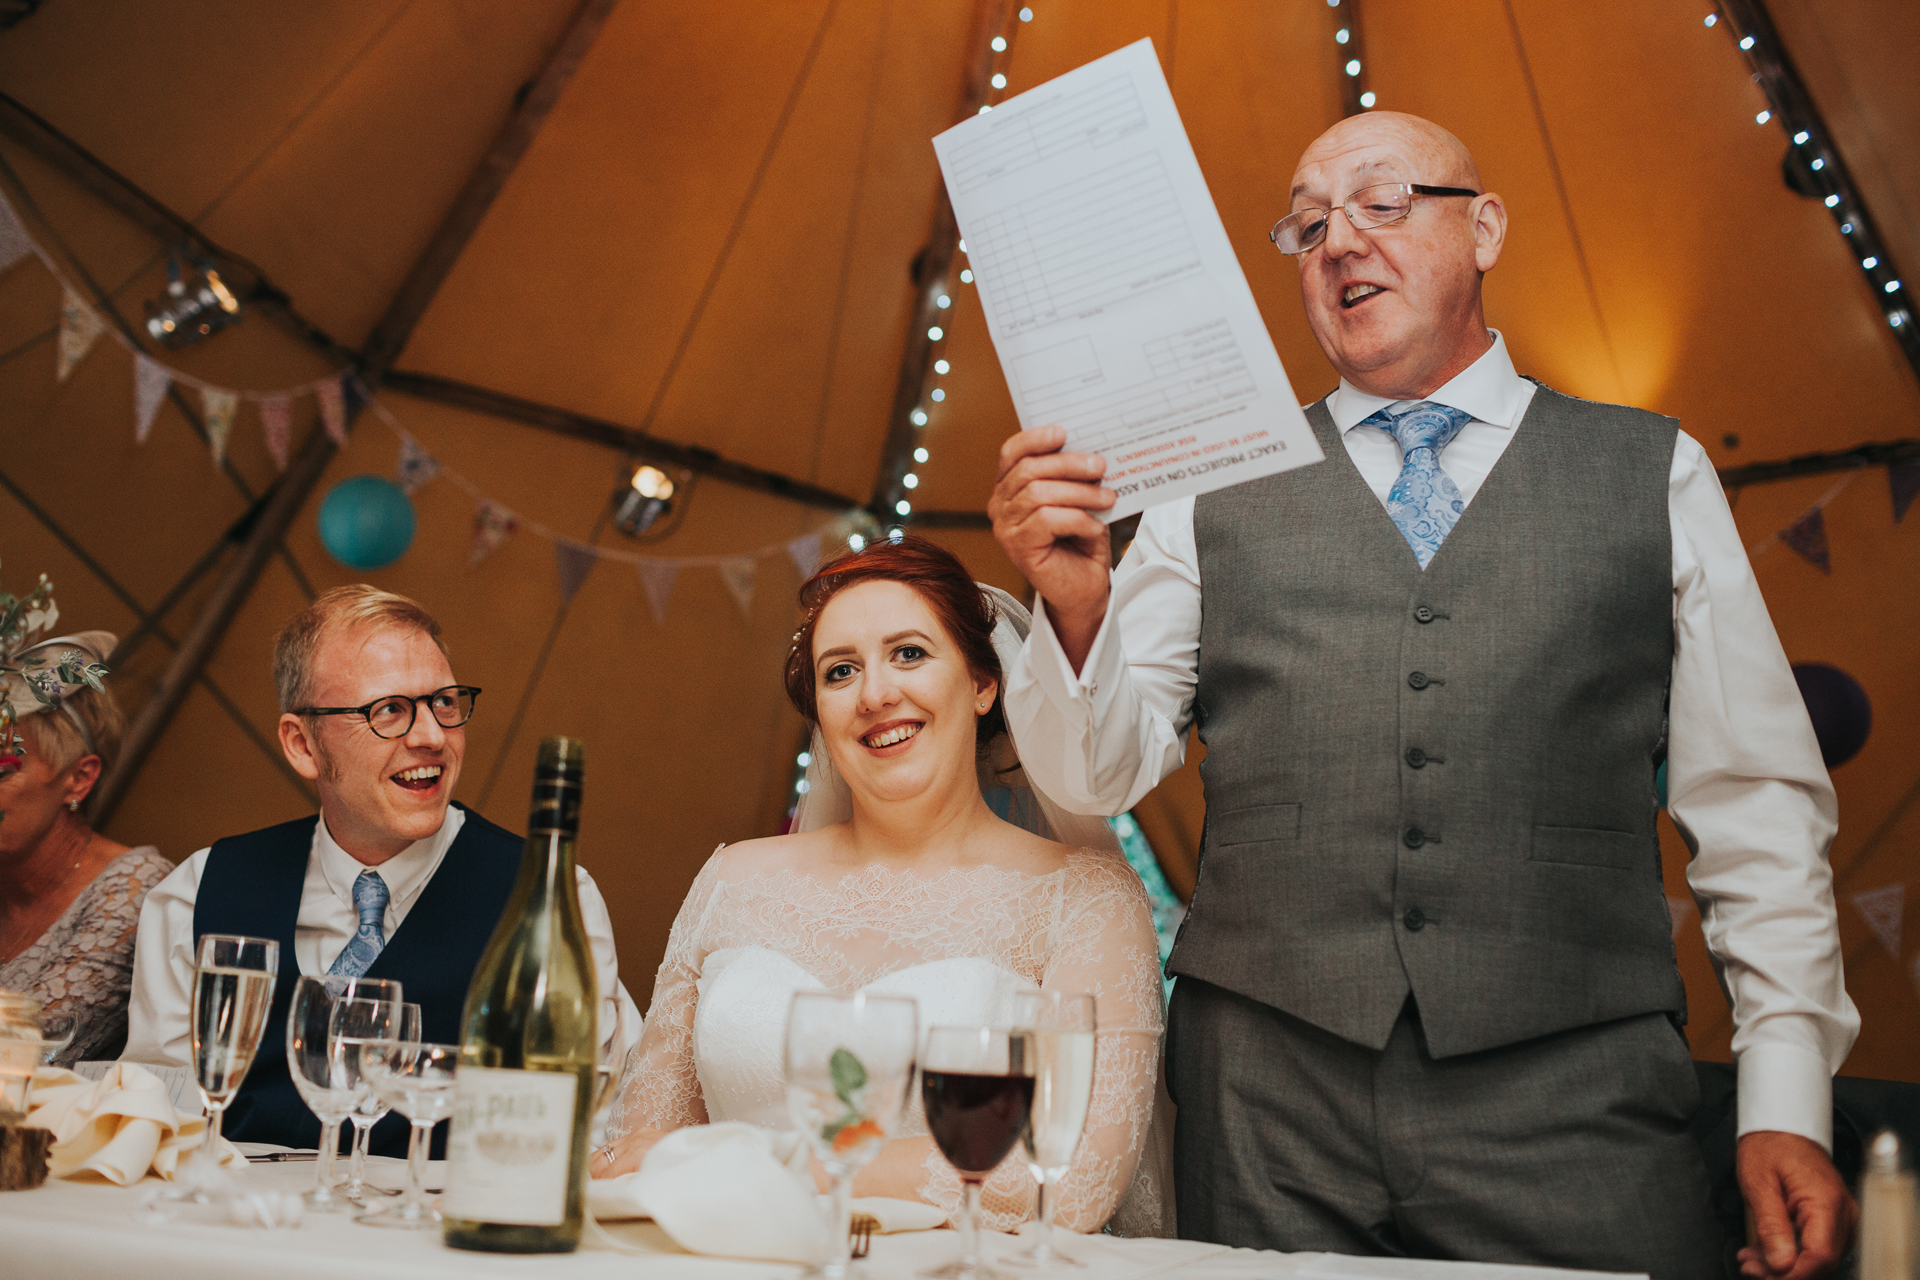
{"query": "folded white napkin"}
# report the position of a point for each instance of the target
(739, 1191)
(118, 1126)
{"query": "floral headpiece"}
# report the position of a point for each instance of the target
(39, 673)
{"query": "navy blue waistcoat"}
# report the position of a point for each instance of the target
(252, 886)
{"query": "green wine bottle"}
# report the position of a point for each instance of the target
(517, 1148)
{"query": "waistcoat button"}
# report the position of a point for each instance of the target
(1418, 680)
(1415, 920)
(1416, 757)
(1423, 614)
(1414, 837)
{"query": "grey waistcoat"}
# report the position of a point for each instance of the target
(1441, 782)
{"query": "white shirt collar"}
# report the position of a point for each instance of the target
(406, 873)
(1488, 389)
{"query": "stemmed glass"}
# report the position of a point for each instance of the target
(849, 1063)
(310, 1060)
(354, 1023)
(57, 1031)
(977, 1086)
(232, 994)
(416, 1079)
(1063, 1027)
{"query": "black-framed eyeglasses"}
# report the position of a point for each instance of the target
(393, 715)
(1367, 208)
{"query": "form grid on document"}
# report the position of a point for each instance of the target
(1197, 373)
(1047, 130)
(1112, 236)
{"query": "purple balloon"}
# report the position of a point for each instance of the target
(1842, 716)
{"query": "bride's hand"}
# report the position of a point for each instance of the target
(623, 1154)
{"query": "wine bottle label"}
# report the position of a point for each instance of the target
(509, 1146)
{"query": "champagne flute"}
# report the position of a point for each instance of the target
(416, 1079)
(977, 1086)
(310, 1063)
(232, 994)
(1063, 1028)
(849, 1067)
(353, 1024)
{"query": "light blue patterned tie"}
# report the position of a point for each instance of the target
(1424, 501)
(370, 900)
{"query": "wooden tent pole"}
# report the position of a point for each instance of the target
(386, 341)
(580, 426)
(48, 144)
(990, 18)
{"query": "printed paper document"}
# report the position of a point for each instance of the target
(1115, 302)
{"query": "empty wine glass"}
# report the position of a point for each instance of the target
(1063, 1026)
(232, 994)
(849, 1064)
(417, 1081)
(977, 1086)
(57, 1031)
(310, 1061)
(354, 1023)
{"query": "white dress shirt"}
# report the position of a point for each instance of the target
(1745, 782)
(159, 1012)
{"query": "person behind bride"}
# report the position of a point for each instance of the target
(908, 884)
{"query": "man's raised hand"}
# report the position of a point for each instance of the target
(1042, 510)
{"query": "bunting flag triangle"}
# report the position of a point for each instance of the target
(276, 424)
(15, 243)
(1808, 537)
(333, 412)
(416, 467)
(1680, 911)
(574, 560)
(657, 577)
(80, 325)
(1903, 479)
(216, 408)
(1883, 908)
(738, 572)
(492, 525)
(150, 382)
(805, 554)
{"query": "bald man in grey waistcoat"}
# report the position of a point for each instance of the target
(1427, 1002)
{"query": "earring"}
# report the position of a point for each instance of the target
(73, 806)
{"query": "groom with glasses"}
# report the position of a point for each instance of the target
(1427, 1002)
(389, 880)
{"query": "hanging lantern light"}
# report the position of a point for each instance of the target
(648, 495)
(197, 305)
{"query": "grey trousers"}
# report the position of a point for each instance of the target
(1570, 1151)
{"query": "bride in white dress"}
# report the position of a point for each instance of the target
(921, 890)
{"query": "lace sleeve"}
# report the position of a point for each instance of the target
(84, 965)
(658, 1087)
(1103, 942)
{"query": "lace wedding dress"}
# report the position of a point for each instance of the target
(961, 942)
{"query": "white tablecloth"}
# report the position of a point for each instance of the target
(70, 1230)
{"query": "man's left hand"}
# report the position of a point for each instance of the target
(1801, 1211)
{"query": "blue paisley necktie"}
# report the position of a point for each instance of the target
(1424, 501)
(370, 900)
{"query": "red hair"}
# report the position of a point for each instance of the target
(940, 579)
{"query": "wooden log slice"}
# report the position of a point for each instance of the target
(24, 1156)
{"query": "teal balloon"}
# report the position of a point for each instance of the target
(366, 522)
(1660, 783)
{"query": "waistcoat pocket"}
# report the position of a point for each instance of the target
(1254, 824)
(1586, 846)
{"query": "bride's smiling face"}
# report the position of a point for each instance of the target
(895, 700)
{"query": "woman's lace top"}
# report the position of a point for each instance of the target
(83, 963)
(1086, 927)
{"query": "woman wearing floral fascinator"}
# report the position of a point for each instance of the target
(69, 897)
